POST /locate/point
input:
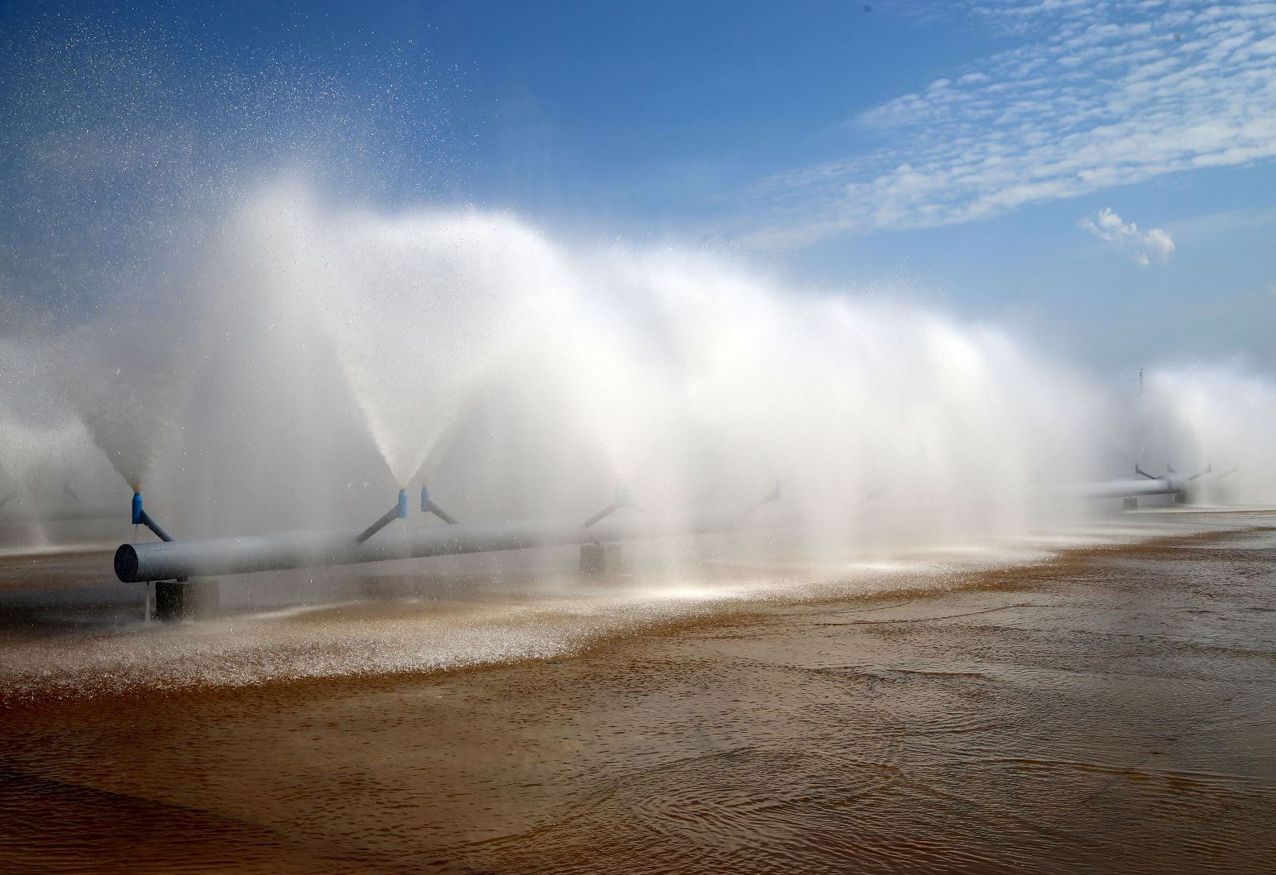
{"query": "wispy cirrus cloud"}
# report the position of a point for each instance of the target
(1144, 247)
(1099, 94)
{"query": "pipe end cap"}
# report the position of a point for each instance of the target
(126, 563)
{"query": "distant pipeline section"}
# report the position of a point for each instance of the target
(1180, 486)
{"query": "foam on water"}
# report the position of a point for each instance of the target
(508, 617)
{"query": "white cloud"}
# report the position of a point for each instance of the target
(1097, 95)
(1143, 246)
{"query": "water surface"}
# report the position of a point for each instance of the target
(1108, 707)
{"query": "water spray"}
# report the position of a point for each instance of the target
(1172, 480)
(771, 497)
(597, 557)
(623, 501)
(1170, 483)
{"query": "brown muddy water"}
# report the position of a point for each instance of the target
(1081, 703)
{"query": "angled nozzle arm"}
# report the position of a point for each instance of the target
(771, 497)
(1138, 470)
(1209, 469)
(622, 501)
(428, 506)
(398, 512)
(872, 495)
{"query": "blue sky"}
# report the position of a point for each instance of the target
(1100, 173)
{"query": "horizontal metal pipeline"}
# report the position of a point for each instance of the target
(1125, 488)
(182, 560)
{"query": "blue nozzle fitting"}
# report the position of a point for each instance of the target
(403, 504)
(425, 499)
(142, 518)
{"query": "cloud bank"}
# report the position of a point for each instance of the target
(1096, 95)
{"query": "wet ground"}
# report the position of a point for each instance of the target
(1108, 707)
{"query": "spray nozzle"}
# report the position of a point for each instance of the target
(142, 518)
(398, 512)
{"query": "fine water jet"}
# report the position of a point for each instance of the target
(682, 370)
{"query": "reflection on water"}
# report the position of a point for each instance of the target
(1106, 709)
